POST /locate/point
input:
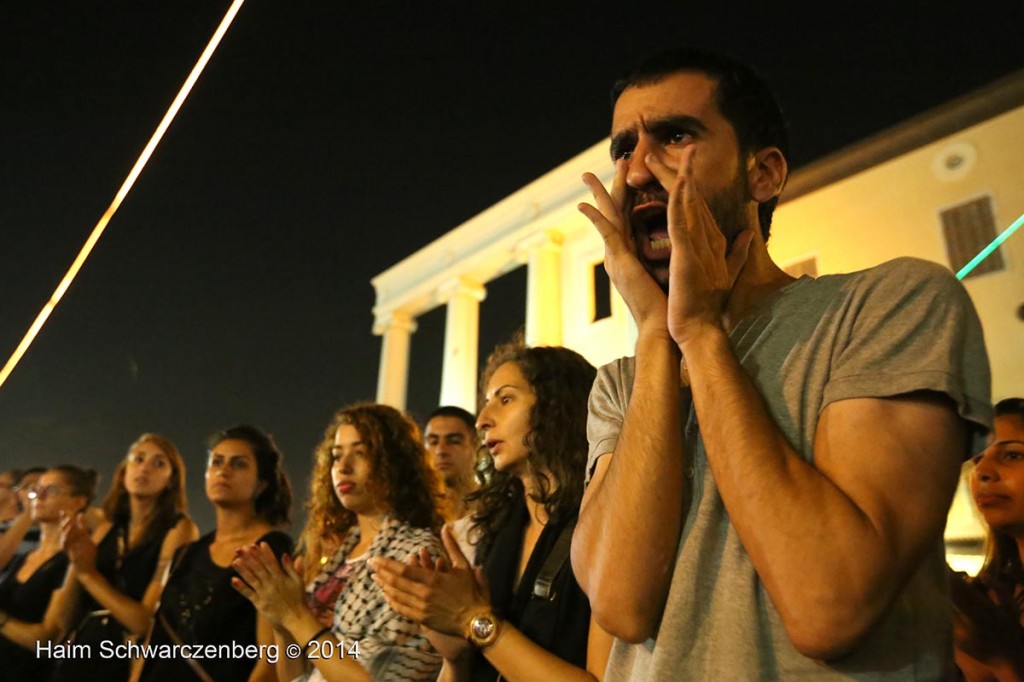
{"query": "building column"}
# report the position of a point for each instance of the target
(393, 376)
(461, 342)
(543, 254)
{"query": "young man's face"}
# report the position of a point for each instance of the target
(664, 119)
(452, 447)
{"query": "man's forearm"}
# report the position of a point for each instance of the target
(625, 544)
(831, 562)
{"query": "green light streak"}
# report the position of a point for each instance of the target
(966, 270)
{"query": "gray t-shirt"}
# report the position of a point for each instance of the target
(906, 325)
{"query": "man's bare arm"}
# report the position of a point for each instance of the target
(836, 541)
(624, 547)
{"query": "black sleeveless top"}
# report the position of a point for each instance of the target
(202, 607)
(130, 572)
(561, 624)
(27, 601)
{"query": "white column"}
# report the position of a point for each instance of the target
(543, 254)
(392, 379)
(461, 341)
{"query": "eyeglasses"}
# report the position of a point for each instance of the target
(42, 491)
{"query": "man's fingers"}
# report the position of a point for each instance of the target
(666, 176)
(619, 186)
(737, 257)
(605, 204)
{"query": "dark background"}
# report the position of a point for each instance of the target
(325, 142)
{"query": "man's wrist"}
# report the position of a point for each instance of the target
(702, 340)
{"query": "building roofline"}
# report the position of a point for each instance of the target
(485, 241)
(975, 107)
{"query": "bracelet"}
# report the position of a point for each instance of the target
(312, 640)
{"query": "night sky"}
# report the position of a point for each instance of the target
(325, 142)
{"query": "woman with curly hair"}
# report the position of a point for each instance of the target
(989, 609)
(199, 611)
(521, 614)
(372, 494)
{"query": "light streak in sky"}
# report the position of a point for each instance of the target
(984, 253)
(97, 231)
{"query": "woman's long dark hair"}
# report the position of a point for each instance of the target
(169, 505)
(561, 379)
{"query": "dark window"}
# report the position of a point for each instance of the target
(602, 293)
(967, 229)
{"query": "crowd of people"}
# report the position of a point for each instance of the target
(759, 492)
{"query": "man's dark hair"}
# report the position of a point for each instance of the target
(742, 96)
(465, 416)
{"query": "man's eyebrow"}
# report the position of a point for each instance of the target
(673, 123)
(621, 142)
(659, 127)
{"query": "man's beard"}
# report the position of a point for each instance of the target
(728, 207)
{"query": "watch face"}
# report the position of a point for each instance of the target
(482, 627)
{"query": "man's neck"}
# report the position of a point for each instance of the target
(455, 506)
(759, 279)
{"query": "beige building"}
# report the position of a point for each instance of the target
(940, 186)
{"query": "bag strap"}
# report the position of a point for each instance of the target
(543, 586)
(196, 668)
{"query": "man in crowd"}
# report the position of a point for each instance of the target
(770, 473)
(451, 439)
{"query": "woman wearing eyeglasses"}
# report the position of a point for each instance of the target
(30, 602)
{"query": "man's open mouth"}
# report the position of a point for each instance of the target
(650, 229)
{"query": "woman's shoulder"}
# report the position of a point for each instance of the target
(183, 532)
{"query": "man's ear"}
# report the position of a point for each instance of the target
(767, 174)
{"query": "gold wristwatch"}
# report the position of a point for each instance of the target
(483, 629)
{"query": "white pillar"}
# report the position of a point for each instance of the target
(543, 255)
(461, 341)
(392, 379)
